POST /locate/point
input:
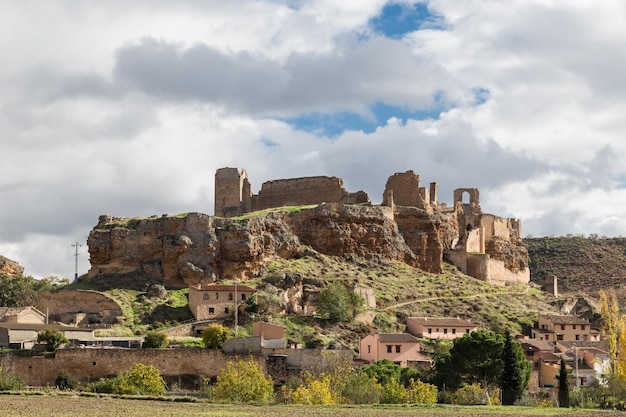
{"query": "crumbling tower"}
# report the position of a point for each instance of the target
(233, 193)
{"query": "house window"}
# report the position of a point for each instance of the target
(574, 326)
(577, 337)
(388, 348)
(430, 330)
(217, 295)
(230, 296)
(453, 331)
(558, 337)
(205, 296)
(369, 348)
(243, 297)
(467, 331)
(445, 331)
(211, 310)
(547, 337)
(437, 330)
(397, 348)
(562, 327)
(226, 310)
(583, 327)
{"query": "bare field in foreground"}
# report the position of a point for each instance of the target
(23, 406)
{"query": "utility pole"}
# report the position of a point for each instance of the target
(236, 311)
(76, 245)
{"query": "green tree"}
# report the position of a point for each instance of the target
(140, 380)
(515, 371)
(563, 385)
(361, 389)
(421, 393)
(214, 335)
(338, 304)
(384, 371)
(52, 338)
(243, 381)
(155, 340)
(394, 393)
(23, 291)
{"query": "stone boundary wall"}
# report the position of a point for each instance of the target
(91, 364)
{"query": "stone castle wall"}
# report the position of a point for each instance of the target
(233, 195)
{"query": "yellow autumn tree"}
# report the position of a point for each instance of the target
(614, 332)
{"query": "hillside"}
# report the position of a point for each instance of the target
(583, 265)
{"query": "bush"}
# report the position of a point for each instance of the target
(421, 393)
(9, 382)
(215, 335)
(314, 391)
(103, 386)
(155, 340)
(140, 380)
(361, 389)
(475, 394)
(394, 393)
(243, 382)
(65, 382)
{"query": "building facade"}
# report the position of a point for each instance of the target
(439, 327)
(208, 302)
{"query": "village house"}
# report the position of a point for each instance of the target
(21, 315)
(400, 348)
(564, 328)
(214, 301)
(439, 327)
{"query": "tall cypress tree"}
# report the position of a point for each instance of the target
(512, 381)
(563, 386)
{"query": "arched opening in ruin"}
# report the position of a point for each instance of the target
(466, 198)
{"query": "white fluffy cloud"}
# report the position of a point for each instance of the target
(128, 108)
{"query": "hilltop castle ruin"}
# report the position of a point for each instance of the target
(481, 245)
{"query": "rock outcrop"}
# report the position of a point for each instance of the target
(10, 267)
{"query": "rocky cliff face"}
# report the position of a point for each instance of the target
(193, 248)
(10, 267)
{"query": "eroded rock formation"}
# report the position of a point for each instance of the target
(10, 267)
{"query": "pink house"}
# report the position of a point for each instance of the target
(400, 348)
(439, 327)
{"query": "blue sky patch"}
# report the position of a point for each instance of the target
(336, 123)
(397, 20)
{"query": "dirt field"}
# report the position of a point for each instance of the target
(51, 406)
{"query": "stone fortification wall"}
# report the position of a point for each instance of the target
(91, 364)
(406, 189)
(10, 267)
(303, 191)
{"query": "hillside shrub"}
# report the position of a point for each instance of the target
(394, 393)
(475, 394)
(314, 391)
(102, 386)
(336, 303)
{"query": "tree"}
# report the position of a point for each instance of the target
(338, 304)
(155, 340)
(478, 358)
(384, 371)
(52, 338)
(515, 371)
(140, 380)
(563, 386)
(614, 332)
(215, 335)
(243, 381)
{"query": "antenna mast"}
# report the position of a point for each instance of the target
(76, 245)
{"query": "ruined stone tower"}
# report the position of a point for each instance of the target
(232, 192)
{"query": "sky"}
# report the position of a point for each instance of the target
(128, 108)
